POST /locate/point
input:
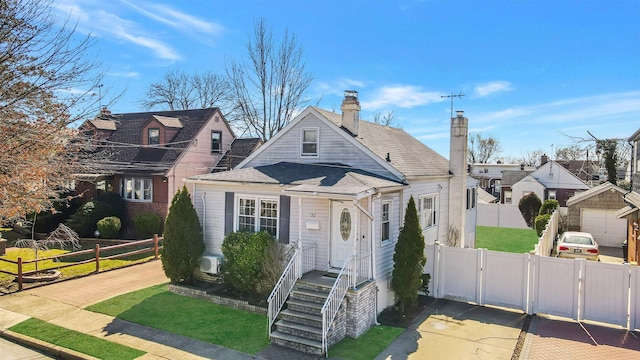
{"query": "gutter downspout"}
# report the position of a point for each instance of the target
(204, 214)
(373, 254)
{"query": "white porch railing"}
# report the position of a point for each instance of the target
(363, 269)
(332, 304)
(301, 261)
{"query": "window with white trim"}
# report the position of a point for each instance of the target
(507, 197)
(137, 189)
(385, 222)
(257, 214)
(309, 142)
(427, 211)
(552, 195)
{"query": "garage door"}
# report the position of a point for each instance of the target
(605, 226)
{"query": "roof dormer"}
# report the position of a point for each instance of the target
(159, 130)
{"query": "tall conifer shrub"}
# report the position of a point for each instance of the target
(408, 260)
(183, 243)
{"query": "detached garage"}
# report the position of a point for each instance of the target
(594, 211)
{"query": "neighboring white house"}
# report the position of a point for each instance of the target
(341, 185)
(549, 181)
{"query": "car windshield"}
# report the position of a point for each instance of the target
(584, 240)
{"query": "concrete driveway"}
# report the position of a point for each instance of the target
(456, 330)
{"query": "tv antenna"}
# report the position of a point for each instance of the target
(453, 96)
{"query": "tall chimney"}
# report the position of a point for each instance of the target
(544, 159)
(458, 182)
(350, 111)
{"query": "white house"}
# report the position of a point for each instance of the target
(550, 181)
(336, 188)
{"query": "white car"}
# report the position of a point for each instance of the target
(574, 244)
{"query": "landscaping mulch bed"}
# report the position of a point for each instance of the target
(393, 317)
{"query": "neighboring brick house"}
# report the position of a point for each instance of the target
(145, 156)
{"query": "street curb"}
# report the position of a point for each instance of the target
(50, 349)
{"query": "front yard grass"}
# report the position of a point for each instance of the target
(367, 346)
(235, 329)
(70, 339)
(517, 241)
(72, 271)
(158, 308)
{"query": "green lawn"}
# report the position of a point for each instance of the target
(506, 239)
(70, 339)
(158, 308)
(367, 346)
(77, 270)
(235, 329)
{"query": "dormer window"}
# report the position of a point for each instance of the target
(216, 142)
(309, 142)
(154, 136)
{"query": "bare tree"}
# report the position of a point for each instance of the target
(613, 152)
(570, 153)
(180, 91)
(44, 77)
(385, 119)
(482, 150)
(533, 158)
(269, 88)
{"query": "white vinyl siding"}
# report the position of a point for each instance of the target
(334, 148)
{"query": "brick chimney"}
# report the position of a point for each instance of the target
(458, 169)
(544, 159)
(350, 111)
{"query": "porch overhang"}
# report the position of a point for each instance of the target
(633, 199)
(93, 178)
(337, 191)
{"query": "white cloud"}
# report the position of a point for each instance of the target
(129, 74)
(487, 89)
(403, 96)
(176, 19)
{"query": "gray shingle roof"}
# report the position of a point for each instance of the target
(406, 154)
(117, 157)
(238, 151)
(323, 178)
(510, 177)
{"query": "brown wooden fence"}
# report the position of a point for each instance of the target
(153, 247)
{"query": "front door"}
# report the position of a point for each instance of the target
(343, 220)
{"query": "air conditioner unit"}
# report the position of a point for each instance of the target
(210, 264)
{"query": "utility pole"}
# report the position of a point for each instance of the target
(452, 96)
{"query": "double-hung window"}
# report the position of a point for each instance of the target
(154, 136)
(309, 142)
(427, 209)
(257, 214)
(216, 141)
(137, 189)
(385, 223)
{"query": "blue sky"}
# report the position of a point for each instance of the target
(530, 71)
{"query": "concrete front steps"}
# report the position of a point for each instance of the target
(299, 325)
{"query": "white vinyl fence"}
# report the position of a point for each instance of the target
(577, 289)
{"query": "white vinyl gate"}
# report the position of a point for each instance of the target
(577, 289)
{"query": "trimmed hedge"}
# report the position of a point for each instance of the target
(109, 227)
(541, 223)
(146, 225)
(244, 254)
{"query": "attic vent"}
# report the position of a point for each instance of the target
(217, 119)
